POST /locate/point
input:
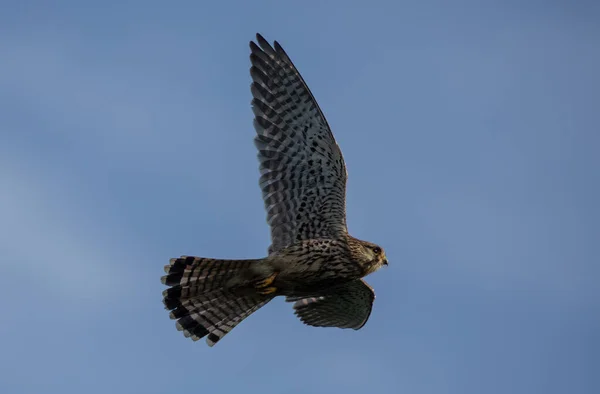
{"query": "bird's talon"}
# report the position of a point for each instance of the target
(265, 282)
(267, 290)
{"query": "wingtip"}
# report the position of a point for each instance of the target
(257, 43)
(260, 38)
(264, 45)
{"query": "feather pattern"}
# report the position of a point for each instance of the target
(345, 306)
(312, 261)
(303, 174)
(199, 298)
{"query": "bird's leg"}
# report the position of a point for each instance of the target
(264, 286)
(267, 290)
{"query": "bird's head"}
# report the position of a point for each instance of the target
(371, 256)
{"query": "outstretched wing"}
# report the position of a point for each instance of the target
(348, 306)
(303, 175)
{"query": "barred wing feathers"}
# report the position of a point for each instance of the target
(346, 306)
(303, 175)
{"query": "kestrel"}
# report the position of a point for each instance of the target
(312, 260)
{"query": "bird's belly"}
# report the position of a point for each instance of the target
(314, 276)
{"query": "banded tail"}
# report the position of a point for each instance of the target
(206, 298)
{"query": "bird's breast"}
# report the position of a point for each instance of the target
(315, 272)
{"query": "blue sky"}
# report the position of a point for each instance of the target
(471, 134)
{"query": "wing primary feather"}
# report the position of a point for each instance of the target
(296, 148)
(346, 306)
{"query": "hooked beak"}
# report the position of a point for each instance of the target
(385, 262)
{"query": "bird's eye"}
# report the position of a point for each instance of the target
(377, 249)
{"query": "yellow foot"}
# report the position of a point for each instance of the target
(267, 290)
(264, 286)
(265, 282)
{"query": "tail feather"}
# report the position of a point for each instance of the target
(218, 316)
(208, 274)
(201, 299)
(228, 324)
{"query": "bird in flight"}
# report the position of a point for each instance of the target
(312, 260)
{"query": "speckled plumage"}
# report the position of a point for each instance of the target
(312, 260)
